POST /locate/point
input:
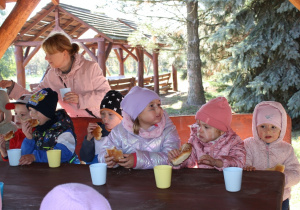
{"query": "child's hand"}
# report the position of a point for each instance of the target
(2, 146)
(109, 161)
(27, 129)
(127, 161)
(249, 168)
(90, 129)
(173, 154)
(27, 159)
(208, 160)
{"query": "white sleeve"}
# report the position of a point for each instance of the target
(68, 140)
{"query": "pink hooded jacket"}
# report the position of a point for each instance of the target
(262, 155)
(228, 147)
(85, 78)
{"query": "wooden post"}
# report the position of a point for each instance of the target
(101, 56)
(121, 63)
(20, 68)
(140, 54)
(155, 70)
(14, 22)
(174, 76)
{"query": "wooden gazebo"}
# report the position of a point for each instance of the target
(111, 35)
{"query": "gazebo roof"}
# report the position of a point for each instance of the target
(75, 21)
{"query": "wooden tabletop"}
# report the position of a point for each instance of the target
(25, 187)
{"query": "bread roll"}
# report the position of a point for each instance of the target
(117, 154)
(185, 152)
(278, 167)
(9, 135)
(97, 133)
(33, 122)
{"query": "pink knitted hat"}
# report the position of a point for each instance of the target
(216, 113)
(268, 114)
(74, 196)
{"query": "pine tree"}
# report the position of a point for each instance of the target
(264, 62)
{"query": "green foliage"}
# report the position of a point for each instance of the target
(8, 64)
(263, 63)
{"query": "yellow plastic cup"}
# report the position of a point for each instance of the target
(163, 174)
(54, 157)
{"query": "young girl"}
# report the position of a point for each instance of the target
(267, 148)
(55, 130)
(215, 144)
(110, 111)
(21, 115)
(146, 133)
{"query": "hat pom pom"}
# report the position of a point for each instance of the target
(9, 106)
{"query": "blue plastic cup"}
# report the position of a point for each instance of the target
(1, 186)
(233, 178)
(98, 173)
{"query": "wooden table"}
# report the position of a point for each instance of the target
(25, 187)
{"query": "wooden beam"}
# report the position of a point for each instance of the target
(55, 2)
(140, 55)
(2, 4)
(28, 58)
(67, 24)
(45, 28)
(124, 48)
(14, 22)
(155, 71)
(296, 3)
(20, 68)
(127, 56)
(101, 56)
(84, 23)
(94, 58)
(75, 29)
(26, 52)
(174, 76)
(118, 56)
(88, 40)
(107, 51)
(32, 44)
(148, 54)
(36, 21)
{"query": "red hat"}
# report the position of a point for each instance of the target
(216, 113)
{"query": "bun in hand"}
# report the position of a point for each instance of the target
(33, 122)
(97, 133)
(185, 152)
(9, 135)
(117, 154)
(278, 167)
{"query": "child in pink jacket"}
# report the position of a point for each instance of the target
(215, 144)
(266, 148)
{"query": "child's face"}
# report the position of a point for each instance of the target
(38, 115)
(109, 119)
(151, 115)
(207, 133)
(268, 132)
(21, 114)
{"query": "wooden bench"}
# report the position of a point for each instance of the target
(241, 124)
(163, 80)
(122, 85)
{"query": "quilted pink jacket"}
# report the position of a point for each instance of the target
(228, 147)
(85, 78)
(263, 156)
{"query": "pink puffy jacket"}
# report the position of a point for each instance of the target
(228, 147)
(262, 155)
(85, 78)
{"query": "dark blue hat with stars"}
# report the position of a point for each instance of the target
(112, 102)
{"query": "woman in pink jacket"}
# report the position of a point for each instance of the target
(267, 148)
(69, 69)
(215, 144)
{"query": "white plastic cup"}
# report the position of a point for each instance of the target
(98, 173)
(14, 156)
(233, 178)
(63, 91)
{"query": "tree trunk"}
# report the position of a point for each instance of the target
(195, 91)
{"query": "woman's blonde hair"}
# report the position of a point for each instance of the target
(59, 43)
(136, 126)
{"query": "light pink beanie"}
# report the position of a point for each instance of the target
(268, 114)
(72, 196)
(216, 113)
